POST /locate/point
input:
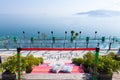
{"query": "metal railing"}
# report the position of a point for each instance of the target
(58, 43)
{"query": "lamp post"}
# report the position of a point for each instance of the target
(87, 42)
(110, 46)
(113, 40)
(23, 38)
(15, 41)
(65, 39)
(109, 38)
(118, 51)
(24, 34)
(52, 33)
(65, 34)
(38, 34)
(80, 35)
(32, 41)
(52, 38)
(7, 44)
(95, 34)
(98, 44)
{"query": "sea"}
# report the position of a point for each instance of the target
(28, 26)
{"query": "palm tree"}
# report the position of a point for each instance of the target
(72, 36)
(72, 33)
(76, 34)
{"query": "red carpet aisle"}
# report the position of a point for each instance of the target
(45, 68)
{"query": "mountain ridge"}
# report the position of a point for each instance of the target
(101, 13)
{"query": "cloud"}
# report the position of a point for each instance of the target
(100, 13)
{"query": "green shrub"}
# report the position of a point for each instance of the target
(32, 61)
(117, 58)
(11, 63)
(41, 59)
(111, 54)
(74, 60)
(38, 60)
(88, 55)
(77, 61)
(88, 59)
(106, 64)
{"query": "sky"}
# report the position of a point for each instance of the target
(59, 15)
(55, 7)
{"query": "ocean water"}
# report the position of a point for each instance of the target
(13, 26)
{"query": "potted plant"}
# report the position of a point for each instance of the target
(105, 67)
(88, 62)
(10, 67)
(31, 61)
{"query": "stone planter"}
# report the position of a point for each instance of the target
(28, 70)
(8, 76)
(105, 76)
